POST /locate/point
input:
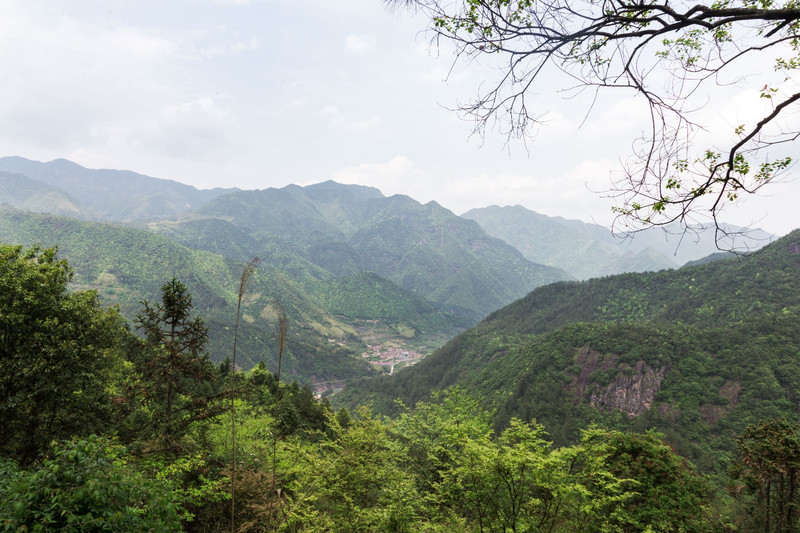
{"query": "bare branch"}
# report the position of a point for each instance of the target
(660, 50)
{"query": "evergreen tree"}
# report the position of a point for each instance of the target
(177, 375)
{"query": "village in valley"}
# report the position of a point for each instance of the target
(391, 356)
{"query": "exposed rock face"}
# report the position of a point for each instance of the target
(712, 413)
(632, 389)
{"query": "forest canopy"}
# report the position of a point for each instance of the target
(109, 431)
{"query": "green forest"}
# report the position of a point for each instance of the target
(700, 353)
(126, 265)
(265, 356)
(116, 425)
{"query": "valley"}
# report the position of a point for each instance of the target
(400, 266)
(404, 307)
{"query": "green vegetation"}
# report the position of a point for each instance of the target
(699, 354)
(335, 256)
(85, 485)
(174, 365)
(766, 474)
(567, 244)
(126, 265)
(347, 230)
(164, 458)
(639, 402)
(57, 351)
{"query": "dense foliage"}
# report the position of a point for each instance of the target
(163, 460)
(718, 342)
(766, 474)
(126, 266)
(348, 230)
(85, 485)
(57, 351)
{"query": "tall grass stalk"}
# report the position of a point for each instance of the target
(248, 270)
(283, 325)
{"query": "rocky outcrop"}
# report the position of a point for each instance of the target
(711, 413)
(609, 385)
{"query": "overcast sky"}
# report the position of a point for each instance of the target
(256, 94)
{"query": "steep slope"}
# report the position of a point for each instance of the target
(426, 249)
(114, 195)
(326, 313)
(127, 265)
(699, 353)
(424, 325)
(589, 250)
(344, 230)
(28, 194)
(288, 217)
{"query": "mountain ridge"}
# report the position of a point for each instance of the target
(698, 353)
(113, 195)
(565, 243)
(126, 265)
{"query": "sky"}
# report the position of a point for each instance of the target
(256, 94)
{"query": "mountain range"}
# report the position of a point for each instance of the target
(108, 195)
(698, 353)
(350, 266)
(591, 251)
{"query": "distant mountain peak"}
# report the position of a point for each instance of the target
(588, 250)
(113, 195)
(332, 184)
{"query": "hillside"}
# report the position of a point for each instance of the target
(347, 230)
(127, 265)
(590, 251)
(699, 353)
(28, 194)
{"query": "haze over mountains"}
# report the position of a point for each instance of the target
(111, 195)
(350, 266)
(590, 251)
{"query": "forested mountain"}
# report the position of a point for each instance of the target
(699, 353)
(319, 244)
(706, 354)
(104, 431)
(127, 265)
(25, 193)
(111, 195)
(344, 230)
(348, 230)
(590, 251)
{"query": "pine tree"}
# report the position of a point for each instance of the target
(176, 373)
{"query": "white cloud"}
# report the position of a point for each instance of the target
(435, 75)
(229, 49)
(297, 103)
(339, 121)
(359, 44)
(392, 175)
(195, 129)
(233, 2)
(66, 76)
(232, 93)
(572, 195)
